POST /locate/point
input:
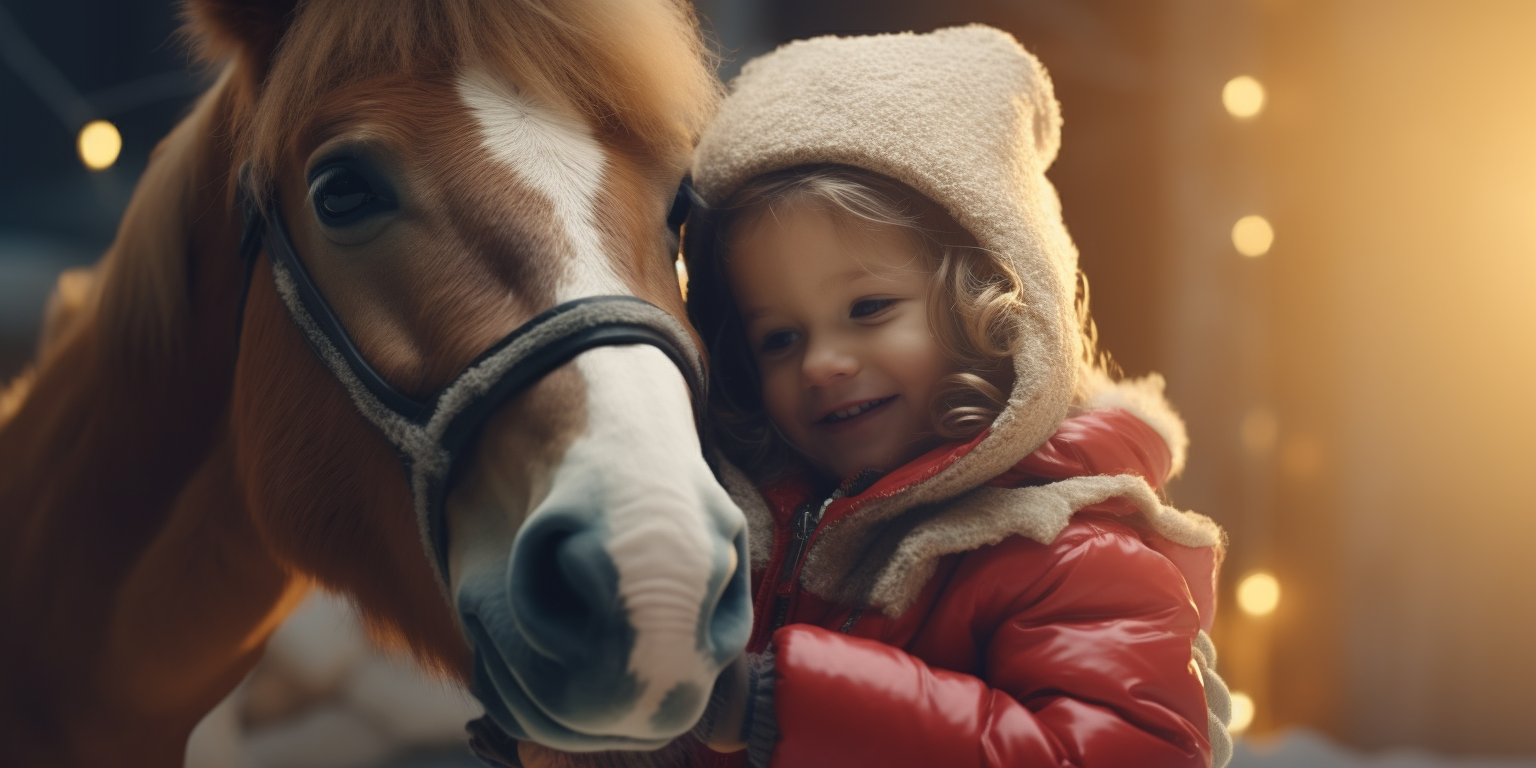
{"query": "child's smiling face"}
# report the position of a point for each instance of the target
(838, 324)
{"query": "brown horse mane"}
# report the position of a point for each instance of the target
(632, 65)
(136, 296)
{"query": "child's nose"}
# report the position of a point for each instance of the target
(827, 362)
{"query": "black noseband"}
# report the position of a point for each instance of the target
(431, 435)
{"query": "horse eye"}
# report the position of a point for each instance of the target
(342, 193)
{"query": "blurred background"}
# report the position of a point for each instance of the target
(1316, 218)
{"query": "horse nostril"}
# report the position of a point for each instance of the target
(564, 585)
(729, 623)
(565, 598)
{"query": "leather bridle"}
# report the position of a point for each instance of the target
(433, 435)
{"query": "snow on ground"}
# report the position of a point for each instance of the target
(1307, 749)
(324, 697)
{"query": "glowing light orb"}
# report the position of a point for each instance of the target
(1258, 594)
(1252, 236)
(1243, 97)
(99, 144)
(1303, 457)
(1242, 713)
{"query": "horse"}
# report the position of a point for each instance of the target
(373, 206)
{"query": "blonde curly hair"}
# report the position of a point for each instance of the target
(973, 311)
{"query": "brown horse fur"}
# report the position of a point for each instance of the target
(165, 500)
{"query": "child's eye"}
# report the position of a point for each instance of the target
(867, 307)
(778, 340)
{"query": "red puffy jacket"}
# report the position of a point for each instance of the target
(1076, 653)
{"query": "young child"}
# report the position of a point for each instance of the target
(959, 554)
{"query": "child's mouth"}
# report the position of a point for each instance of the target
(854, 411)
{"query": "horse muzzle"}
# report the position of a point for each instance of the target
(607, 626)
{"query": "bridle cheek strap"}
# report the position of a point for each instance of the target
(433, 435)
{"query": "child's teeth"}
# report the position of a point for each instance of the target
(848, 413)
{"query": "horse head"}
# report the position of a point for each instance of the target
(437, 175)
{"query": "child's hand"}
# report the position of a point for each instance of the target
(723, 725)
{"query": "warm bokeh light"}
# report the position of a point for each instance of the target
(682, 277)
(1302, 457)
(1243, 97)
(1242, 713)
(1259, 430)
(1258, 594)
(1252, 236)
(99, 145)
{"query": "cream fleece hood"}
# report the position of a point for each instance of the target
(964, 116)
(968, 118)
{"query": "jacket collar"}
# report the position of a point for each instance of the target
(1109, 441)
(1122, 436)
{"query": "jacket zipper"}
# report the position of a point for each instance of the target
(804, 523)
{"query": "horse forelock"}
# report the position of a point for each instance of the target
(637, 66)
(632, 75)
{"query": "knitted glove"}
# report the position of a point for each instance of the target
(740, 710)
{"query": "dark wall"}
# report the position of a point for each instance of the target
(124, 59)
(99, 46)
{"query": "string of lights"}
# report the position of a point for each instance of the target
(1258, 591)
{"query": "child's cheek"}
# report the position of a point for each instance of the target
(780, 393)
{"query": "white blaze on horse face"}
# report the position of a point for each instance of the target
(659, 500)
(556, 156)
(661, 507)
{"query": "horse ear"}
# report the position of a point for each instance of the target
(249, 29)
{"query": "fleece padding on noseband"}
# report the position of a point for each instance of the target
(429, 446)
(430, 435)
